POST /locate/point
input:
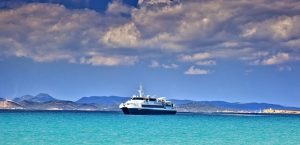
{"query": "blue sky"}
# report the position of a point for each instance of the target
(235, 51)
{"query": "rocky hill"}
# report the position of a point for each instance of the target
(40, 98)
(7, 104)
(44, 101)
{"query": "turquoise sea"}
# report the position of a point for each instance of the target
(78, 128)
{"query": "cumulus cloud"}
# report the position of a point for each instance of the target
(117, 7)
(50, 32)
(196, 71)
(46, 32)
(265, 58)
(122, 36)
(197, 32)
(278, 28)
(276, 59)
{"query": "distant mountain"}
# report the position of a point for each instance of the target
(57, 105)
(188, 105)
(179, 102)
(102, 100)
(40, 98)
(44, 101)
(197, 106)
(23, 98)
(212, 106)
(248, 106)
(6, 104)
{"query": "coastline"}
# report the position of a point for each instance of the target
(110, 111)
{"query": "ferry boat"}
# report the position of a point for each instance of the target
(144, 105)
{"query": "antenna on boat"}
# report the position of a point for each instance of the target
(141, 92)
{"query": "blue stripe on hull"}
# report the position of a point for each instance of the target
(136, 111)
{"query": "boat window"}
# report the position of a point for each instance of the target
(153, 106)
(152, 99)
(137, 98)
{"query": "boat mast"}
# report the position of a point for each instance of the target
(141, 92)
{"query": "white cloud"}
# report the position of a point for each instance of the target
(255, 55)
(283, 27)
(100, 60)
(122, 36)
(156, 64)
(194, 57)
(206, 62)
(170, 66)
(265, 58)
(50, 32)
(196, 71)
(277, 28)
(154, 2)
(276, 59)
(47, 32)
(117, 7)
